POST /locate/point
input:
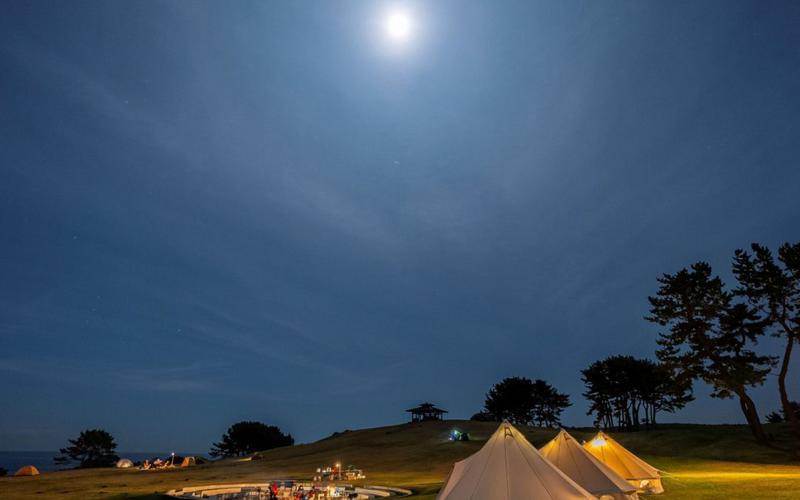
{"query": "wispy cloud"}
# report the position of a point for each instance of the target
(97, 92)
(195, 377)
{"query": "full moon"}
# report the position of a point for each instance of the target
(398, 25)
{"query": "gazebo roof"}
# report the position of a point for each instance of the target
(426, 407)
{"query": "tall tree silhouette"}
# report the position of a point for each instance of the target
(93, 448)
(709, 337)
(774, 289)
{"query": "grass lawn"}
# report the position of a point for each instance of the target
(702, 462)
(716, 479)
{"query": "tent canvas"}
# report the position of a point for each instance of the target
(572, 459)
(508, 467)
(123, 463)
(645, 477)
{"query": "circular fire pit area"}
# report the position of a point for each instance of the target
(285, 489)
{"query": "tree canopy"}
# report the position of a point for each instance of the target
(773, 288)
(709, 337)
(93, 448)
(625, 392)
(247, 437)
(524, 401)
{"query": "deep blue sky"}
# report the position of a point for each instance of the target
(215, 211)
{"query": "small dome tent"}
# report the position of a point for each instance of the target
(645, 477)
(28, 470)
(188, 462)
(583, 468)
(123, 463)
(508, 467)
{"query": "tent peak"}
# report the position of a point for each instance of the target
(586, 470)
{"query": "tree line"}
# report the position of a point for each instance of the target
(95, 448)
(625, 393)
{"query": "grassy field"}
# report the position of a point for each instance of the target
(702, 462)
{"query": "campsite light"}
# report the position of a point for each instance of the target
(598, 441)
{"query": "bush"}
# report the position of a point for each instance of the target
(483, 417)
(776, 417)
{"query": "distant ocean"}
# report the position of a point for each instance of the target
(43, 460)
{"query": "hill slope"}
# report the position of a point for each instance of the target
(706, 462)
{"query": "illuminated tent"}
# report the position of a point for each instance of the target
(583, 468)
(123, 463)
(508, 467)
(188, 462)
(28, 470)
(636, 471)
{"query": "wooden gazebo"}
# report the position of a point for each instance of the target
(426, 411)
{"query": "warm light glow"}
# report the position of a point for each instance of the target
(598, 442)
(398, 25)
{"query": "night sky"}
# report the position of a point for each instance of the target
(216, 211)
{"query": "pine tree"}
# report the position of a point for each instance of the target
(709, 337)
(774, 289)
(93, 448)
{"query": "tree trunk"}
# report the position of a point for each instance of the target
(628, 420)
(751, 415)
(785, 402)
